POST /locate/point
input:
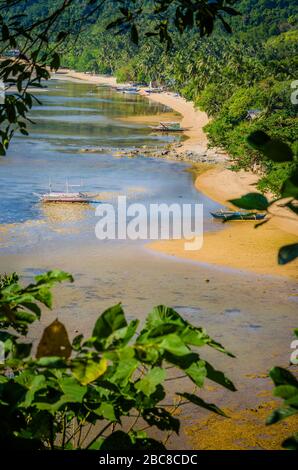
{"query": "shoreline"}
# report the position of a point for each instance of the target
(239, 245)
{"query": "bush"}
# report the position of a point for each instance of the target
(101, 392)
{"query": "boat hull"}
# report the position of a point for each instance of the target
(237, 216)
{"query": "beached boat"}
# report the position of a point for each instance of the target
(169, 127)
(131, 92)
(154, 90)
(128, 90)
(237, 215)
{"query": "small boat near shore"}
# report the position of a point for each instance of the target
(168, 127)
(237, 215)
(131, 90)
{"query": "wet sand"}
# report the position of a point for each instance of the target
(252, 315)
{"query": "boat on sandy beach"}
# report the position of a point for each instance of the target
(237, 215)
(169, 127)
(128, 90)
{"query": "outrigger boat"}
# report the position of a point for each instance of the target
(169, 127)
(66, 196)
(237, 215)
(128, 90)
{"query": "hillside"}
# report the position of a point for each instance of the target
(226, 75)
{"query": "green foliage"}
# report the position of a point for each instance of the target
(41, 33)
(251, 201)
(114, 377)
(19, 305)
(286, 387)
(288, 253)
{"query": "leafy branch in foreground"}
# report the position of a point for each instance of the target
(286, 387)
(279, 152)
(101, 392)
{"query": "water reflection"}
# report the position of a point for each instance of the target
(64, 213)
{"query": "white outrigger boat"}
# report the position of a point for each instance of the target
(65, 196)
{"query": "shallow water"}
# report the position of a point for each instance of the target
(72, 117)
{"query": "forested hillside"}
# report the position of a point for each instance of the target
(227, 75)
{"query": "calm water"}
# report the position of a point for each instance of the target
(74, 116)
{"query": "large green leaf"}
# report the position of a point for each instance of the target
(197, 372)
(201, 403)
(88, 370)
(285, 391)
(174, 345)
(162, 314)
(111, 320)
(162, 419)
(290, 186)
(118, 440)
(291, 443)
(125, 364)
(251, 201)
(219, 377)
(72, 388)
(122, 336)
(107, 411)
(257, 139)
(149, 382)
(287, 253)
(282, 376)
(53, 276)
(274, 149)
(277, 151)
(36, 383)
(280, 414)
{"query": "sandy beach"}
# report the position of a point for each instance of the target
(239, 245)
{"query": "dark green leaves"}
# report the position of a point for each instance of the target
(112, 329)
(287, 253)
(134, 35)
(291, 443)
(219, 377)
(251, 201)
(162, 419)
(286, 387)
(202, 404)
(282, 376)
(67, 393)
(290, 186)
(274, 149)
(19, 306)
(55, 61)
(111, 320)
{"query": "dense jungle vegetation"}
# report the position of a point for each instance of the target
(245, 81)
(225, 75)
